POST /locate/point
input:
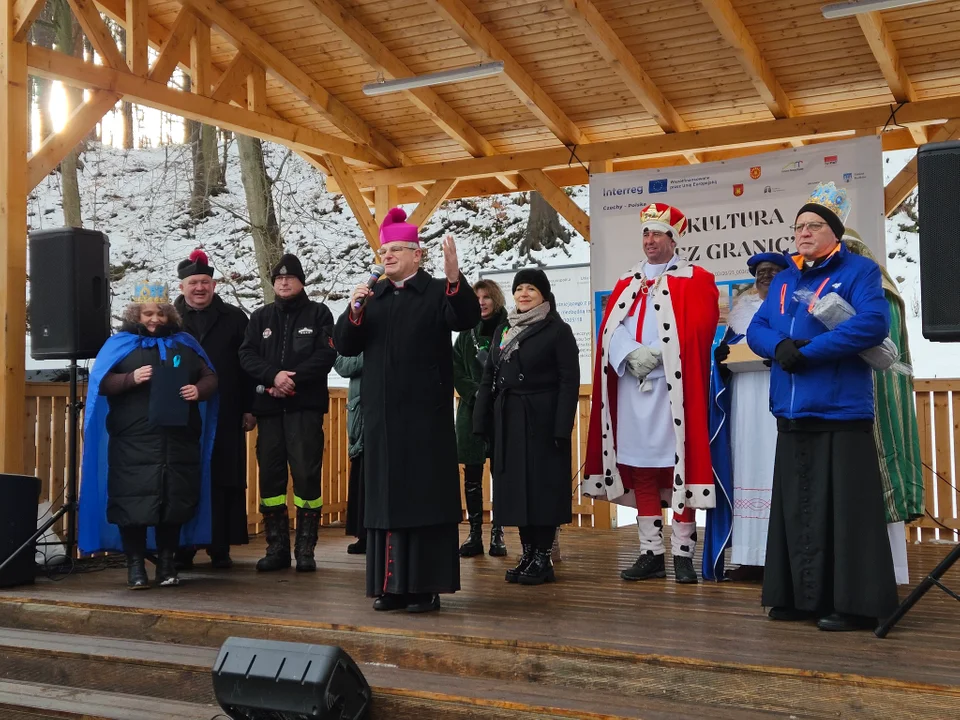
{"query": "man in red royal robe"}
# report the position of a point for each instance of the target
(649, 445)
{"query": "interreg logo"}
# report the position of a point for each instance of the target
(633, 190)
(658, 186)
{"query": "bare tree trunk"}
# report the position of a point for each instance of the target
(227, 137)
(126, 108)
(69, 41)
(267, 242)
(211, 161)
(543, 227)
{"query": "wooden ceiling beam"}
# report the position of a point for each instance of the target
(294, 78)
(831, 124)
(25, 12)
(351, 193)
(75, 72)
(735, 33)
(484, 44)
(888, 58)
(435, 196)
(904, 183)
(97, 33)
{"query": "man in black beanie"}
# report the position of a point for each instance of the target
(289, 352)
(220, 328)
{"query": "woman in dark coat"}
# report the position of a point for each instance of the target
(469, 355)
(527, 403)
(153, 377)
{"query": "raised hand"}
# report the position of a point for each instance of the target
(451, 266)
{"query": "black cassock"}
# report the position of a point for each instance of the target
(412, 481)
(219, 328)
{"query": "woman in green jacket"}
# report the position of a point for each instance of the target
(469, 355)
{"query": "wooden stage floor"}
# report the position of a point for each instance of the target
(714, 638)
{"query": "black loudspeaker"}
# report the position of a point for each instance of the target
(938, 175)
(270, 680)
(69, 293)
(18, 521)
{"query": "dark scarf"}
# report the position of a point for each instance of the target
(289, 305)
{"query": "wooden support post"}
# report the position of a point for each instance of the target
(138, 37)
(354, 198)
(257, 89)
(13, 239)
(24, 13)
(174, 48)
(437, 193)
(598, 167)
(559, 200)
(97, 33)
(385, 197)
(200, 60)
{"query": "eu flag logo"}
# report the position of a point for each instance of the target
(658, 186)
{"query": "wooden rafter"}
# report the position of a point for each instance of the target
(482, 42)
(378, 56)
(292, 76)
(560, 201)
(81, 121)
(175, 47)
(73, 71)
(351, 193)
(233, 79)
(900, 187)
(834, 124)
(138, 36)
(425, 209)
(735, 33)
(888, 58)
(97, 33)
(24, 14)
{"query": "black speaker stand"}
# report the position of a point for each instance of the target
(69, 506)
(920, 590)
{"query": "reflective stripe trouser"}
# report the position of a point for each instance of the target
(294, 438)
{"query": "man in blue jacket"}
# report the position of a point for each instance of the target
(828, 554)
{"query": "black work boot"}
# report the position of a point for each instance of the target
(513, 574)
(646, 567)
(137, 572)
(308, 525)
(167, 568)
(683, 570)
(539, 571)
(277, 524)
(473, 545)
(498, 548)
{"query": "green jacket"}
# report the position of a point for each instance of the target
(352, 368)
(466, 380)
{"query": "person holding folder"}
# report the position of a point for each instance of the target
(151, 417)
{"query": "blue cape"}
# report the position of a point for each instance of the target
(719, 519)
(95, 533)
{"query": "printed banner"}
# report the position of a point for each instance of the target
(735, 209)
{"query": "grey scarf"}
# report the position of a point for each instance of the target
(517, 323)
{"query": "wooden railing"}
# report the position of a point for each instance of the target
(45, 440)
(938, 413)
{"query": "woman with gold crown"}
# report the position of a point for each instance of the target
(828, 556)
(149, 426)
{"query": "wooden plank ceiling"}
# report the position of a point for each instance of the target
(579, 71)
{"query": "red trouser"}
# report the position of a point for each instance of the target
(649, 485)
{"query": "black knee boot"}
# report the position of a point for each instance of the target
(308, 526)
(168, 537)
(134, 539)
(277, 528)
(473, 491)
(498, 548)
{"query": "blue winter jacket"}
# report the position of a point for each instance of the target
(834, 384)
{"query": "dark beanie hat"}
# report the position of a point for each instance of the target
(536, 277)
(828, 216)
(289, 265)
(196, 264)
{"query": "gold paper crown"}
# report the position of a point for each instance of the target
(833, 199)
(148, 292)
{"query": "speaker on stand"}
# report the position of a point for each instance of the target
(69, 320)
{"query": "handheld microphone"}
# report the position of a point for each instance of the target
(375, 273)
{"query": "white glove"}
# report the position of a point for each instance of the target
(642, 361)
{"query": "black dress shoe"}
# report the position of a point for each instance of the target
(423, 602)
(646, 567)
(221, 560)
(357, 548)
(844, 622)
(390, 602)
(788, 614)
(683, 570)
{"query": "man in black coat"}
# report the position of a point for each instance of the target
(289, 351)
(220, 328)
(412, 483)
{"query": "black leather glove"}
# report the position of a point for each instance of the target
(788, 354)
(721, 353)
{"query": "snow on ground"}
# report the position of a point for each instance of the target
(139, 198)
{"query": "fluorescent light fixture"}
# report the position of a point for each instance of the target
(855, 7)
(471, 72)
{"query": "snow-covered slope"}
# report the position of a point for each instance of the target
(139, 198)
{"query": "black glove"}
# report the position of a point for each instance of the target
(788, 355)
(721, 353)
